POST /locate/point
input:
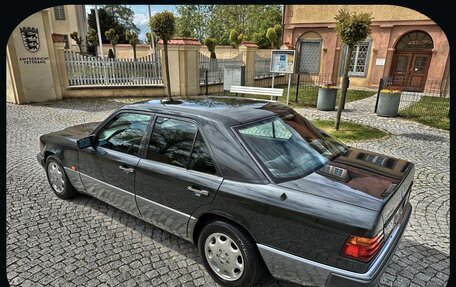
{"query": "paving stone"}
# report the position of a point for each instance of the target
(85, 242)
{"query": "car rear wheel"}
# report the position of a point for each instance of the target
(58, 179)
(229, 254)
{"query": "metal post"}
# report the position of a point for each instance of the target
(272, 85)
(206, 81)
(297, 89)
(152, 41)
(100, 44)
(289, 85)
(380, 87)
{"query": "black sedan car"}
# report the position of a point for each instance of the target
(252, 183)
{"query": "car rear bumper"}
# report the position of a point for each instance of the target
(303, 271)
(40, 159)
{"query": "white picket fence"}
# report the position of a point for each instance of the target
(95, 71)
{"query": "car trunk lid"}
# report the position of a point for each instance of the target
(363, 178)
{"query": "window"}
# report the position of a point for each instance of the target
(285, 148)
(359, 61)
(124, 133)
(415, 40)
(59, 12)
(179, 143)
(171, 141)
(309, 56)
(200, 159)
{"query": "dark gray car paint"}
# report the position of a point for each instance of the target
(313, 221)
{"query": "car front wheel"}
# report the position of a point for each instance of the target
(229, 255)
(58, 179)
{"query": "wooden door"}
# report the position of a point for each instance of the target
(409, 70)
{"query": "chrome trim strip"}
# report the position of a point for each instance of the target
(164, 217)
(304, 271)
(167, 218)
(113, 195)
(162, 206)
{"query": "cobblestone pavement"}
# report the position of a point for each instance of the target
(84, 242)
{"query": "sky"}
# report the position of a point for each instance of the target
(141, 18)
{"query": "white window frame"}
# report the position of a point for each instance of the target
(59, 13)
(356, 53)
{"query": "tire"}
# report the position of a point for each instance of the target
(57, 178)
(221, 261)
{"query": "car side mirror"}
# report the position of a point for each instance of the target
(86, 142)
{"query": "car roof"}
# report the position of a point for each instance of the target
(225, 110)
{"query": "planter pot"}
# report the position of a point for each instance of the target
(326, 100)
(388, 104)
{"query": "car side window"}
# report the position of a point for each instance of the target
(171, 141)
(200, 159)
(124, 133)
(274, 129)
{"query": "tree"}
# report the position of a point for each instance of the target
(192, 21)
(133, 39)
(272, 37)
(107, 21)
(92, 39)
(77, 39)
(217, 21)
(112, 37)
(351, 28)
(164, 26)
(124, 16)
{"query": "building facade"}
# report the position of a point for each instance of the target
(405, 46)
(66, 19)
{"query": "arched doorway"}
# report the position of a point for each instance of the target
(411, 60)
(309, 53)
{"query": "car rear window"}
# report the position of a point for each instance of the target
(289, 147)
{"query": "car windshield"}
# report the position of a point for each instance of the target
(290, 146)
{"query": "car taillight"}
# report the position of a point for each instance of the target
(362, 248)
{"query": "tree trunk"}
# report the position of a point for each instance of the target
(168, 82)
(114, 50)
(343, 92)
(134, 53)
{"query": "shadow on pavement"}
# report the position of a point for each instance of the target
(165, 238)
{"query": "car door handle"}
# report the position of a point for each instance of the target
(198, 192)
(126, 168)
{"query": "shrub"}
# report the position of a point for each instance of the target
(210, 44)
(261, 40)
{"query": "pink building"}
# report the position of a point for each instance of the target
(404, 44)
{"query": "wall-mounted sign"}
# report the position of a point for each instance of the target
(380, 62)
(282, 61)
(34, 60)
(30, 38)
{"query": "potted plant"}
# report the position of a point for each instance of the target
(388, 103)
(326, 100)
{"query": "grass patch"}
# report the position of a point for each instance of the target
(350, 132)
(430, 111)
